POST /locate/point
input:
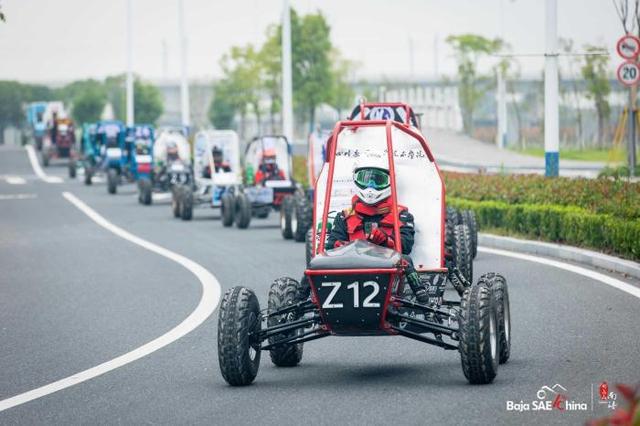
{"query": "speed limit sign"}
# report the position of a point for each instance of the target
(628, 73)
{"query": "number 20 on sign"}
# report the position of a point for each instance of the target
(628, 73)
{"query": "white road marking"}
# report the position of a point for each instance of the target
(208, 303)
(17, 196)
(605, 279)
(15, 180)
(35, 165)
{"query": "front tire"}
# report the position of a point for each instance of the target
(284, 292)
(303, 215)
(479, 343)
(112, 180)
(469, 219)
(239, 321)
(72, 169)
(286, 214)
(88, 176)
(242, 214)
(45, 157)
(308, 246)
(146, 197)
(186, 203)
(498, 284)
(175, 201)
(227, 209)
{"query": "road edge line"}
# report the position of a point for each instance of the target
(209, 300)
(35, 165)
(610, 281)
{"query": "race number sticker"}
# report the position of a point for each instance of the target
(628, 73)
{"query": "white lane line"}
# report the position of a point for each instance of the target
(206, 306)
(35, 165)
(17, 196)
(15, 180)
(615, 283)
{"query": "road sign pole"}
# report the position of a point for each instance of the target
(551, 128)
(130, 112)
(287, 92)
(633, 116)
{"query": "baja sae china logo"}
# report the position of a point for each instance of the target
(549, 398)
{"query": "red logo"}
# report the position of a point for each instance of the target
(557, 402)
(604, 391)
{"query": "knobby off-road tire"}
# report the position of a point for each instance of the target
(73, 169)
(284, 292)
(462, 251)
(469, 218)
(175, 201)
(308, 245)
(263, 213)
(144, 187)
(238, 323)
(451, 220)
(88, 176)
(479, 343)
(498, 284)
(303, 214)
(242, 214)
(227, 207)
(286, 215)
(45, 157)
(186, 203)
(112, 180)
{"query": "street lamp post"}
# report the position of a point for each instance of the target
(287, 91)
(551, 128)
(130, 113)
(184, 84)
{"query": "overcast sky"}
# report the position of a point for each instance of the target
(63, 40)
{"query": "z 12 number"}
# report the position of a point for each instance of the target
(355, 289)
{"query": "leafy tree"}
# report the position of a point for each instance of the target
(11, 98)
(115, 88)
(147, 102)
(595, 71)
(342, 94)
(566, 45)
(469, 48)
(222, 110)
(87, 106)
(271, 60)
(2, 17)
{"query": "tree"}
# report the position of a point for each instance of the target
(271, 59)
(11, 98)
(342, 93)
(567, 47)
(222, 109)
(469, 48)
(2, 17)
(312, 71)
(594, 71)
(87, 106)
(147, 102)
(115, 88)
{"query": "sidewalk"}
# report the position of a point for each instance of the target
(457, 152)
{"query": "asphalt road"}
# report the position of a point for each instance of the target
(73, 295)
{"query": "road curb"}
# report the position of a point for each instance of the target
(559, 251)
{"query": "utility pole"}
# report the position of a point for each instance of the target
(501, 128)
(287, 91)
(184, 85)
(551, 128)
(129, 90)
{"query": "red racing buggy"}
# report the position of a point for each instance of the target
(359, 288)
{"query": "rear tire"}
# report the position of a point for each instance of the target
(462, 251)
(286, 214)
(112, 180)
(303, 214)
(242, 214)
(45, 157)
(238, 321)
(469, 219)
(284, 292)
(72, 169)
(186, 203)
(175, 201)
(227, 209)
(146, 197)
(308, 243)
(451, 220)
(88, 176)
(479, 343)
(498, 284)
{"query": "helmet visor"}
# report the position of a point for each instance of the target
(372, 178)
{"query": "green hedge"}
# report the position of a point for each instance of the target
(562, 224)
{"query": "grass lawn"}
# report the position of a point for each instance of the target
(607, 156)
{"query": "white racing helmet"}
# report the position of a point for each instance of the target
(372, 180)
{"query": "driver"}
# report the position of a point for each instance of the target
(268, 169)
(218, 163)
(370, 217)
